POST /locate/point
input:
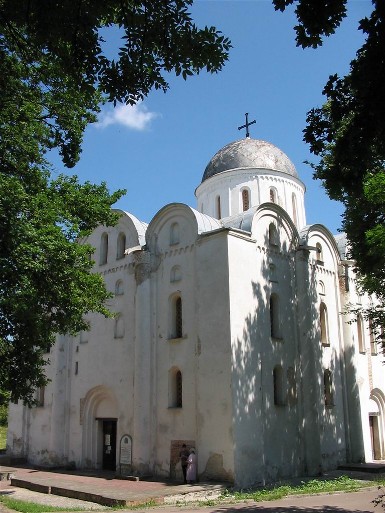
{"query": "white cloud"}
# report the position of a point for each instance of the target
(136, 117)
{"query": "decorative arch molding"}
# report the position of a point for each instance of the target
(179, 212)
(100, 402)
(137, 229)
(327, 240)
(282, 220)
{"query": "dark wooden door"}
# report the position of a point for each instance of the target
(109, 444)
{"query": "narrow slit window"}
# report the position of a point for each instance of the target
(360, 334)
(120, 246)
(274, 317)
(179, 389)
(245, 200)
(218, 207)
(319, 252)
(324, 325)
(178, 318)
(103, 249)
(295, 213)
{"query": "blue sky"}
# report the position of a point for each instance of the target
(159, 149)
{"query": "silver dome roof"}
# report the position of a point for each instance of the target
(249, 153)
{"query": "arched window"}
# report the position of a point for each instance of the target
(295, 214)
(120, 246)
(321, 288)
(319, 253)
(273, 195)
(324, 325)
(119, 289)
(175, 274)
(119, 326)
(273, 235)
(218, 211)
(176, 320)
(360, 334)
(174, 234)
(179, 389)
(328, 388)
(103, 249)
(279, 398)
(245, 200)
(175, 388)
(275, 331)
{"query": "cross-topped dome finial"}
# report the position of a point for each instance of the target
(247, 124)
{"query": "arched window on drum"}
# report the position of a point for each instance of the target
(295, 211)
(245, 193)
(273, 195)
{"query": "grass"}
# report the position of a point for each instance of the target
(314, 486)
(3, 437)
(30, 507)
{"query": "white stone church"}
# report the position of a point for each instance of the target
(228, 337)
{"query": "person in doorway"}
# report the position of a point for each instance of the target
(183, 455)
(191, 474)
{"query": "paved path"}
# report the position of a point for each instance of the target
(139, 492)
(354, 502)
(56, 487)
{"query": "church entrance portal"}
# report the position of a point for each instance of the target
(109, 444)
(374, 436)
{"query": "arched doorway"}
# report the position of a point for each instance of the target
(100, 424)
(376, 424)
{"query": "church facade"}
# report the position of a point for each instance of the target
(228, 336)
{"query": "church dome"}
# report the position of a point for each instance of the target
(249, 153)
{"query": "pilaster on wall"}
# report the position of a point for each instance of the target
(309, 363)
(143, 355)
(355, 445)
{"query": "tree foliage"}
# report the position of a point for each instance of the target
(54, 74)
(348, 135)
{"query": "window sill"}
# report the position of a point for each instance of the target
(277, 339)
(175, 408)
(176, 339)
(325, 344)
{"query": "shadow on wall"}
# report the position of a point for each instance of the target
(288, 389)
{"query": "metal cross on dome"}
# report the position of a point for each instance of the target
(247, 125)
